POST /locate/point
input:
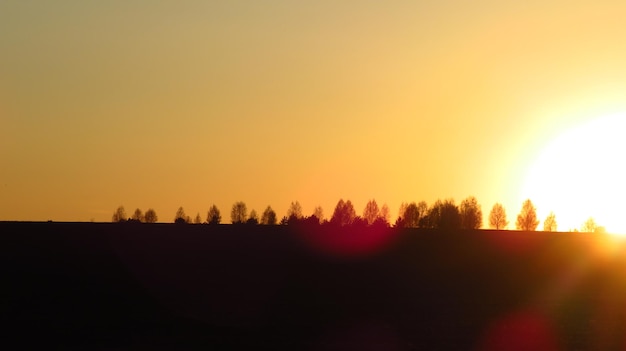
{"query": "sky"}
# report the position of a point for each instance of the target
(162, 104)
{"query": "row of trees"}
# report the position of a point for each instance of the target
(443, 214)
(138, 216)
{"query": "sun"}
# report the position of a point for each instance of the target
(582, 174)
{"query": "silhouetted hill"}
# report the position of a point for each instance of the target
(168, 286)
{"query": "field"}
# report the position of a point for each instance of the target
(165, 286)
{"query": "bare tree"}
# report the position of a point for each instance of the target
(213, 216)
(119, 215)
(239, 213)
(181, 217)
(268, 217)
(527, 218)
(471, 214)
(411, 216)
(294, 211)
(549, 224)
(150, 216)
(198, 219)
(401, 211)
(138, 216)
(344, 213)
(319, 213)
(253, 218)
(497, 217)
(371, 212)
(589, 226)
(422, 208)
(384, 214)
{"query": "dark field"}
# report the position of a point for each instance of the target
(177, 287)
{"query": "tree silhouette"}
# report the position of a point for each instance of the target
(589, 226)
(401, 211)
(411, 216)
(213, 216)
(384, 214)
(527, 218)
(549, 224)
(319, 214)
(239, 213)
(284, 221)
(349, 213)
(344, 213)
(180, 217)
(471, 214)
(294, 211)
(444, 215)
(253, 218)
(268, 217)
(359, 222)
(422, 208)
(137, 216)
(371, 212)
(119, 215)
(198, 219)
(497, 217)
(150, 216)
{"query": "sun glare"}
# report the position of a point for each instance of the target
(581, 174)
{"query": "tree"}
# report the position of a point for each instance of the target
(401, 211)
(411, 216)
(180, 217)
(471, 214)
(138, 216)
(239, 213)
(337, 214)
(198, 219)
(213, 216)
(371, 212)
(549, 224)
(150, 216)
(344, 213)
(319, 214)
(119, 215)
(284, 221)
(527, 218)
(359, 222)
(589, 226)
(253, 219)
(384, 214)
(444, 215)
(294, 211)
(268, 217)
(497, 217)
(422, 208)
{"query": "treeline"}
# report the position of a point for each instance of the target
(442, 214)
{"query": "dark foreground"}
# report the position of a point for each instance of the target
(178, 287)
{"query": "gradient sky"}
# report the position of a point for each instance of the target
(192, 103)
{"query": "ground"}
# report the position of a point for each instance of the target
(165, 286)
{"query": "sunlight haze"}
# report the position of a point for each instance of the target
(194, 103)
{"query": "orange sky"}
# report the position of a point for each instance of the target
(190, 103)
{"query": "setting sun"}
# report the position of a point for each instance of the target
(580, 174)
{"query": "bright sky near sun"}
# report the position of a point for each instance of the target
(192, 103)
